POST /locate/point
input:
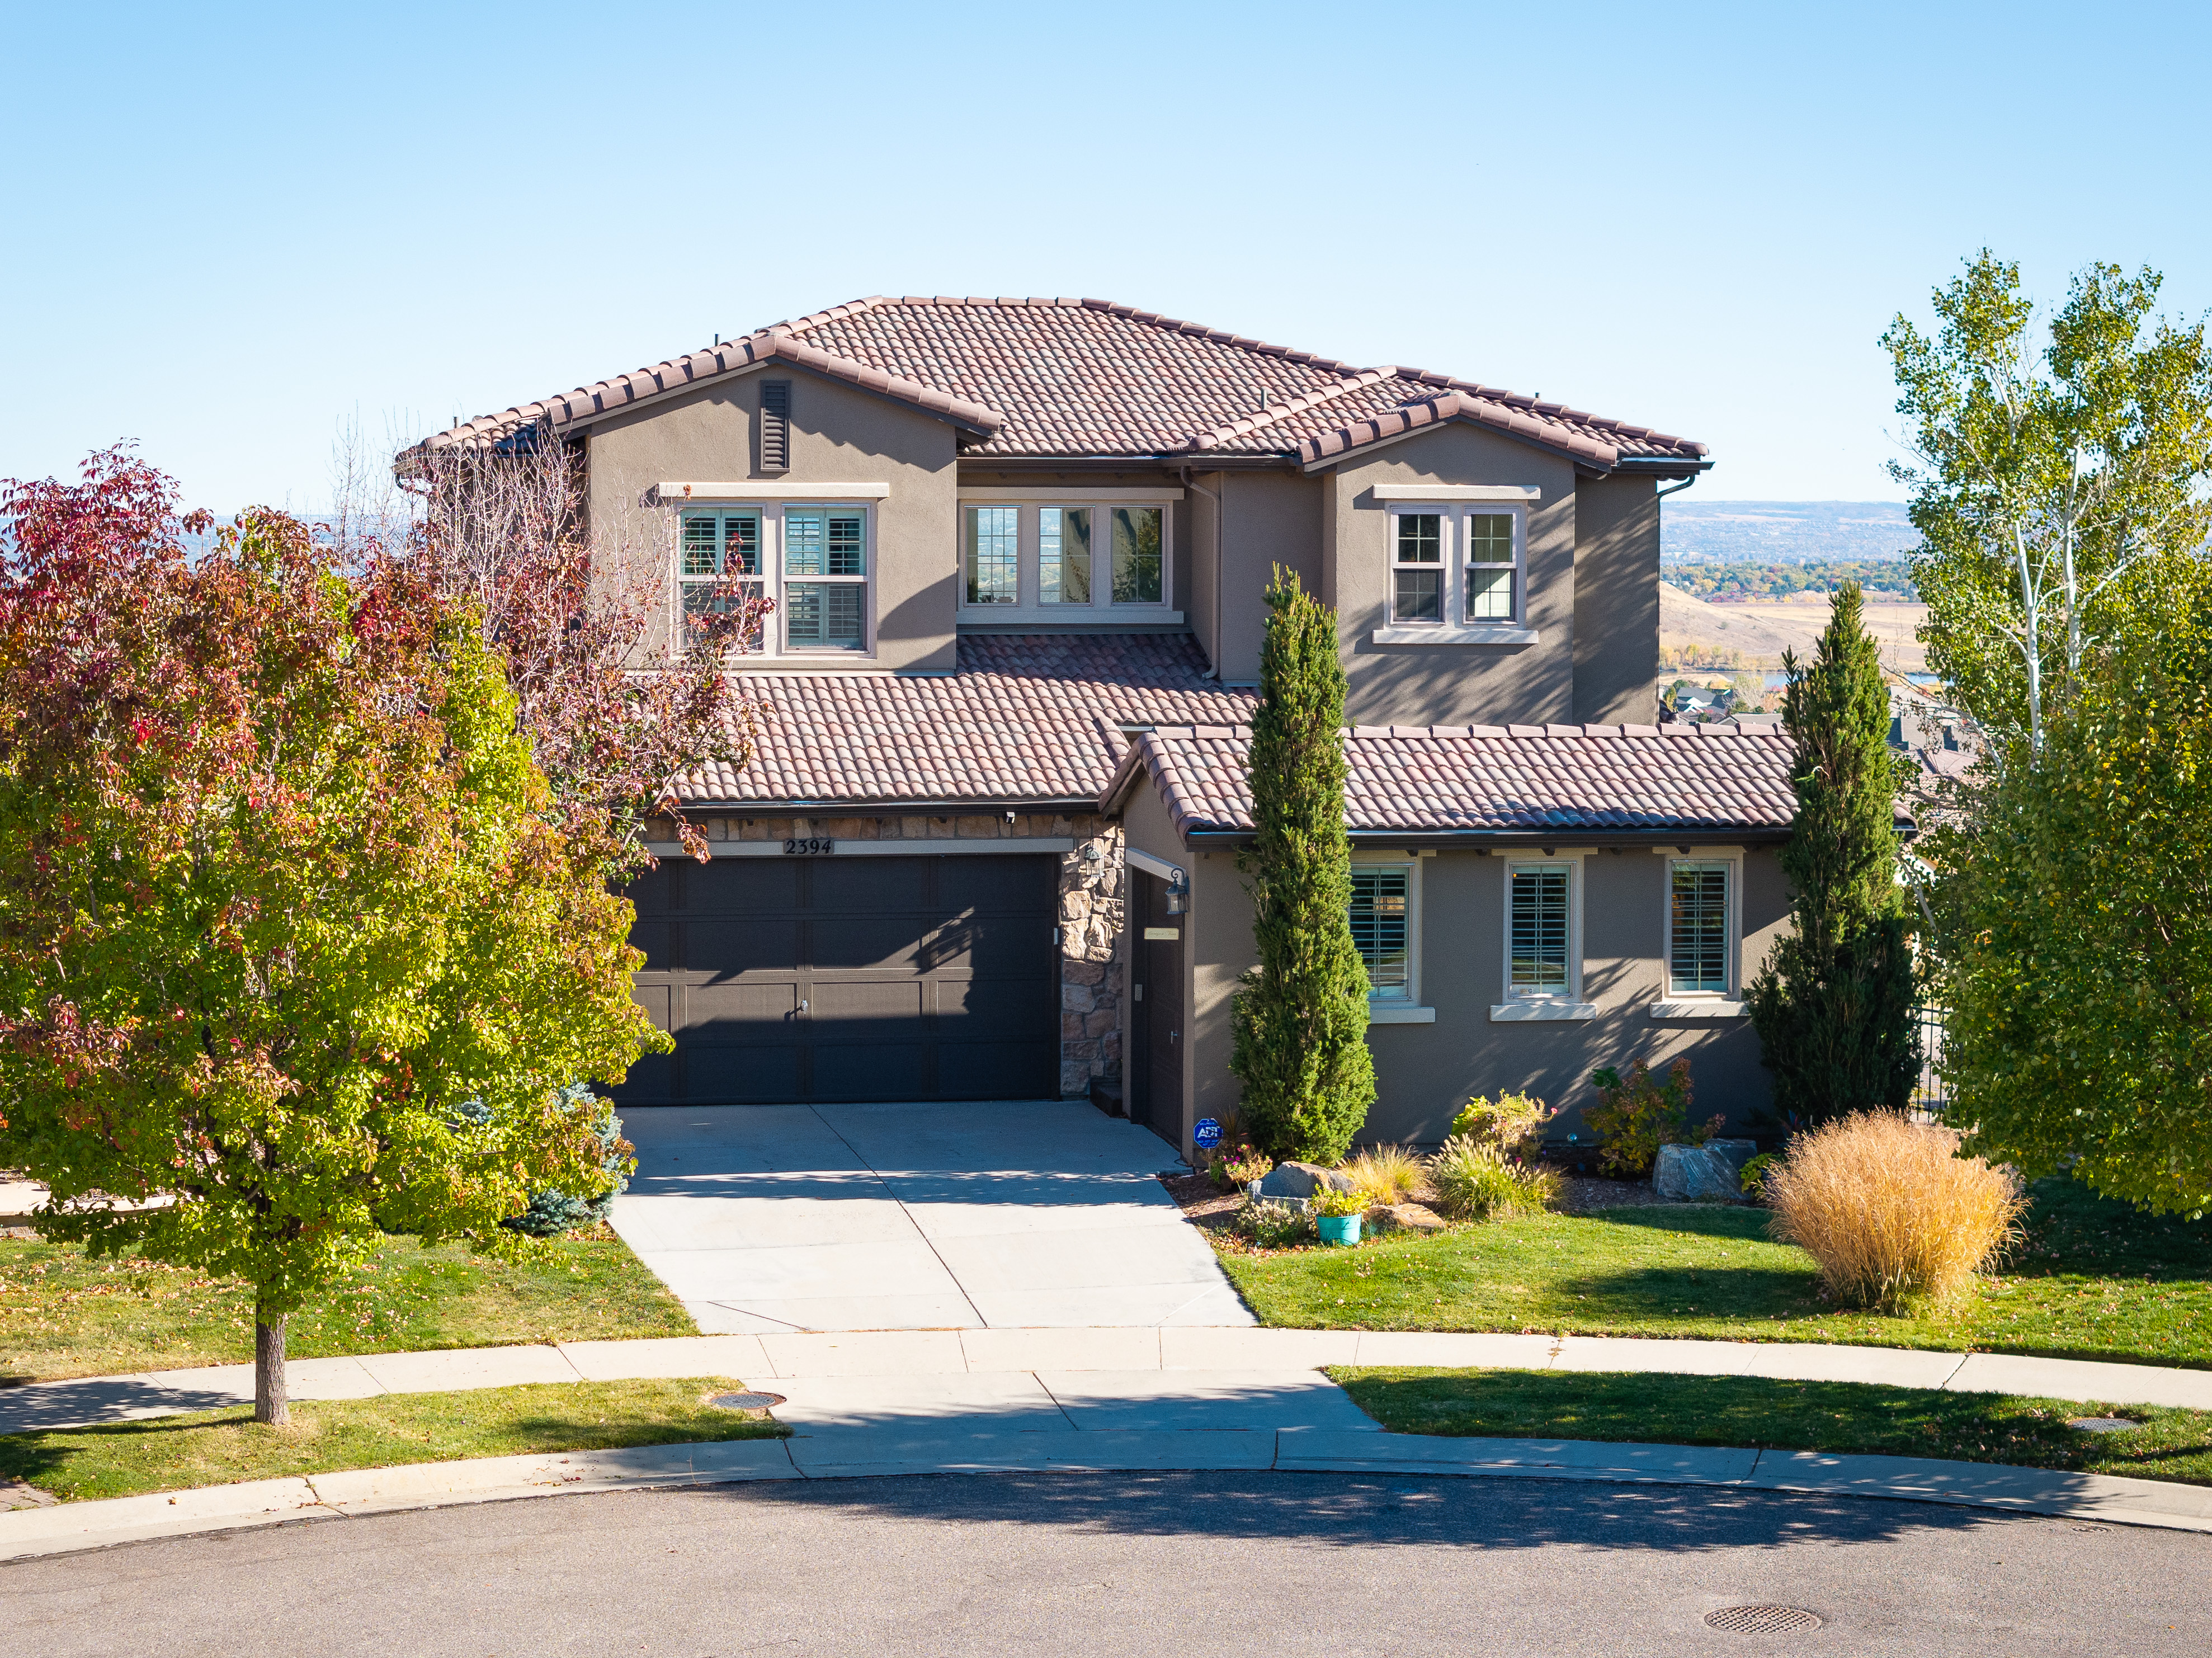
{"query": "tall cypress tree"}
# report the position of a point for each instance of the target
(1834, 1004)
(1300, 1021)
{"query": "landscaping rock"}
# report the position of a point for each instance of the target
(1695, 1174)
(1738, 1153)
(1300, 1180)
(1404, 1217)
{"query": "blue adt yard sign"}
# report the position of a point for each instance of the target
(1208, 1131)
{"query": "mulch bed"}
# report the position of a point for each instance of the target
(1202, 1203)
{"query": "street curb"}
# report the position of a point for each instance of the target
(78, 1527)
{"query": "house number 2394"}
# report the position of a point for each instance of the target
(813, 846)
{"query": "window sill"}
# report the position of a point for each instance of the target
(1398, 1013)
(1069, 614)
(1701, 1009)
(1416, 634)
(1533, 1010)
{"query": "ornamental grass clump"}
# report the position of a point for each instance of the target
(1475, 1180)
(1386, 1174)
(1897, 1219)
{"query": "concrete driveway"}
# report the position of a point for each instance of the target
(1007, 1214)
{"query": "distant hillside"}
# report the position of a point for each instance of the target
(1782, 532)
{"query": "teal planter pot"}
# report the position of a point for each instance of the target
(1338, 1228)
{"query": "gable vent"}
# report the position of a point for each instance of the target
(775, 426)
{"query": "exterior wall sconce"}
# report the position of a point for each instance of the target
(1178, 893)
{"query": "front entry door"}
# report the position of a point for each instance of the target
(1156, 1099)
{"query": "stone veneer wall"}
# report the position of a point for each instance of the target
(1091, 893)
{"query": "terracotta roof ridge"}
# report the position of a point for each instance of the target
(1558, 413)
(697, 368)
(1277, 412)
(1451, 403)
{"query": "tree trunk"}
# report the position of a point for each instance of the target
(270, 1404)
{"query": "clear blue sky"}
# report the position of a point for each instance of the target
(232, 225)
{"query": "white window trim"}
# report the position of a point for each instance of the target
(1029, 606)
(1671, 1003)
(1534, 1006)
(1452, 627)
(1388, 1007)
(774, 641)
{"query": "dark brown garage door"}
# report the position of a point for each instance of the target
(849, 978)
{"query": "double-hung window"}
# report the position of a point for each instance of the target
(1458, 566)
(1031, 558)
(716, 544)
(825, 578)
(1700, 930)
(1417, 567)
(1541, 931)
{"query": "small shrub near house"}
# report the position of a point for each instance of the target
(1513, 1123)
(1474, 1179)
(1235, 1163)
(1636, 1114)
(1897, 1219)
(1266, 1225)
(1385, 1175)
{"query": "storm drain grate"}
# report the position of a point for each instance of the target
(751, 1403)
(1762, 1620)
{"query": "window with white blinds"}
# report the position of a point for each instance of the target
(1539, 931)
(1698, 929)
(1382, 927)
(812, 560)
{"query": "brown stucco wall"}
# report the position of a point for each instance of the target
(1272, 518)
(1616, 600)
(1452, 684)
(839, 434)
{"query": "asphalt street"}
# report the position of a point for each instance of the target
(1340, 1565)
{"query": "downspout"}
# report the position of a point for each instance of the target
(1677, 488)
(1220, 545)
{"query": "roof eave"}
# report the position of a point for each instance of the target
(1515, 840)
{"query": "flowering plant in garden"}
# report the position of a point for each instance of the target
(1636, 1115)
(283, 887)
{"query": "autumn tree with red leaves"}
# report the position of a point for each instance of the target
(296, 942)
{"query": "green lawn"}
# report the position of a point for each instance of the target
(63, 1313)
(2094, 1280)
(217, 1447)
(1799, 1416)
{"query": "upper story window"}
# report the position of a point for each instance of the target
(1065, 561)
(813, 561)
(1452, 565)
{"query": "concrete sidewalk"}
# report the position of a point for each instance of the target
(900, 1359)
(828, 1452)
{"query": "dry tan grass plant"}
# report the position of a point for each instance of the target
(1386, 1174)
(1474, 1181)
(1895, 1218)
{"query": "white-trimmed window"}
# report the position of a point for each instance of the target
(991, 556)
(1077, 559)
(1453, 565)
(1491, 578)
(1383, 922)
(813, 559)
(1701, 909)
(1539, 931)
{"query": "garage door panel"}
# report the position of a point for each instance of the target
(872, 1010)
(724, 949)
(651, 892)
(996, 1071)
(741, 886)
(736, 1008)
(872, 1071)
(992, 1009)
(997, 886)
(719, 1074)
(656, 937)
(861, 941)
(868, 885)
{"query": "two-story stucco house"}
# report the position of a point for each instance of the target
(988, 849)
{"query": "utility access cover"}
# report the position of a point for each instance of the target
(1762, 1620)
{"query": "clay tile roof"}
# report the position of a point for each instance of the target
(1069, 377)
(1024, 717)
(1526, 780)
